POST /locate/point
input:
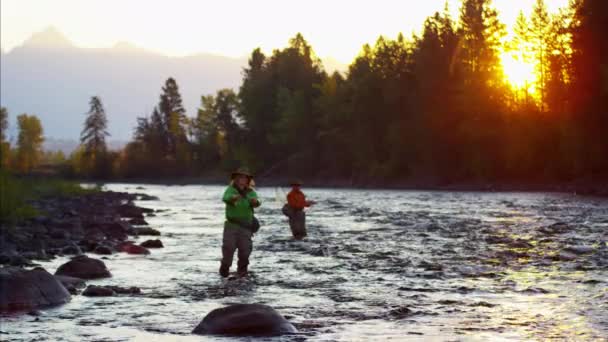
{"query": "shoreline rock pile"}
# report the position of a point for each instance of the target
(92, 223)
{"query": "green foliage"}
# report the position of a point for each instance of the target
(3, 124)
(16, 192)
(29, 142)
(432, 108)
(13, 195)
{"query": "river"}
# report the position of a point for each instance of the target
(377, 265)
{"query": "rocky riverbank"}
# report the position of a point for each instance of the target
(99, 223)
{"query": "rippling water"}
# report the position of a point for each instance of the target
(376, 265)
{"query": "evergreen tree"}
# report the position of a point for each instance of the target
(590, 81)
(174, 119)
(94, 133)
(269, 85)
(540, 26)
(482, 88)
(521, 49)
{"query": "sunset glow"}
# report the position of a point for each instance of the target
(518, 73)
(336, 29)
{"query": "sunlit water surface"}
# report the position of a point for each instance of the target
(377, 265)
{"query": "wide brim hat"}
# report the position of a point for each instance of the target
(241, 172)
(295, 182)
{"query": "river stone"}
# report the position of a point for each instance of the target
(131, 248)
(138, 221)
(71, 249)
(84, 267)
(103, 250)
(144, 231)
(28, 290)
(116, 230)
(244, 320)
(98, 291)
(71, 284)
(152, 244)
(125, 290)
(108, 291)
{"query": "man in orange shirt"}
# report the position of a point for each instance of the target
(294, 209)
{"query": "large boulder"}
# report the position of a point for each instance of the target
(29, 290)
(84, 267)
(244, 320)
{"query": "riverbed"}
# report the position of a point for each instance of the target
(376, 265)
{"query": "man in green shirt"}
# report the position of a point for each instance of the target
(240, 199)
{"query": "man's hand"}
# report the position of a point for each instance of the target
(235, 198)
(310, 203)
(254, 202)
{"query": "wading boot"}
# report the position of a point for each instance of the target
(242, 272)
(224, 271)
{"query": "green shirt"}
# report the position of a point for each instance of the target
(240, 210)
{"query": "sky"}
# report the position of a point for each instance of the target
(335, 28)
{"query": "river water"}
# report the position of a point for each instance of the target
(377, 265)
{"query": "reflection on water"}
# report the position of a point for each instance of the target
(376, 265)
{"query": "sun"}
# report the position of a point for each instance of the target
(518, 73)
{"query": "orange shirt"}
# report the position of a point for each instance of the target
(296, 199)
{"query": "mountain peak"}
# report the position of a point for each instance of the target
(48, 38)
(128, 47)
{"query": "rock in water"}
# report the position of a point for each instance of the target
(244, 320)
(71, 284)
(103, 250)
(130, 248)
(84, 267)
(29, 290)
(144, 231)
(152, 244)
(108, 291)
(98, 291)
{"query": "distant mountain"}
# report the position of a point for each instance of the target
(52, 78)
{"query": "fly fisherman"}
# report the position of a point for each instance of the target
(240, 199)
(294, 209)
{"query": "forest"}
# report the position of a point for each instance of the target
(439, 107)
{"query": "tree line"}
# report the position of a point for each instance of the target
(435, 107)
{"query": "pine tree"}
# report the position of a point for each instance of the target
(173, 117)
(540, 26)
(521, 50)
(93, 135)
(93, 141)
